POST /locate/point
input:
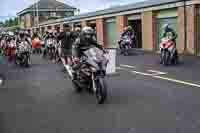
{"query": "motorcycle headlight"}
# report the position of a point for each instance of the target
(93, 69)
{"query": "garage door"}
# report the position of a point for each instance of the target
(198, 32)
(110, 33)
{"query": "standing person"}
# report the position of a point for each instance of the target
(44, 38)
(36, 43)
(65, 50)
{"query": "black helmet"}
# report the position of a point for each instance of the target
(51, 35)
(21, 34)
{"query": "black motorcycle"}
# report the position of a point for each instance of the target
(22, 56)
(90, 74)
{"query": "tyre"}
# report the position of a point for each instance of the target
(126, 51)
(27, 62)
(166, 58)
(1, 80)
(162, 57)
(175, 58)
(76, 87)
(101, 93)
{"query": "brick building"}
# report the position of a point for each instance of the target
(147, 18)
(45, 10)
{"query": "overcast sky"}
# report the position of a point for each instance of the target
(8, 8)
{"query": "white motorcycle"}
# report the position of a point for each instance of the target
(51, 48)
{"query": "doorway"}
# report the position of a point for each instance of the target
(137, 26)
(110, 33)
(198, 33)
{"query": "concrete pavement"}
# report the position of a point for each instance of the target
(41, 100)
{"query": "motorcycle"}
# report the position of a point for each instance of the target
(50, 49)
(11, 50)
(23, 54)
(169, 53)
(90, 73)
(125, 44)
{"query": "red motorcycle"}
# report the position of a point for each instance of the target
(169, 53)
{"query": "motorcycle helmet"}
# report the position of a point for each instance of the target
(50, 35)
(21, 34)
(129, 28)
(78, 29)
(125, 29)
(87, 33)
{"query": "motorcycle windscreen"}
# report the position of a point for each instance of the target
(95, 53)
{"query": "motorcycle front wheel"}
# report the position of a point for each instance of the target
(27, 62)
(166, 58)
(101, 93)
(1, 80)
(76, 87)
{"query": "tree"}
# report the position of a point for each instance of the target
(11, 22)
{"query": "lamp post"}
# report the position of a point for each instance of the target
(37, 12)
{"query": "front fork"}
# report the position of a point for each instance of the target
(94, 83)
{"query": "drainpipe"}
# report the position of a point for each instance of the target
(185, 28)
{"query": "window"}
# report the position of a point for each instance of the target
(53, 14)
(68, 13)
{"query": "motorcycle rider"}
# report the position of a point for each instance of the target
(128, 31)
(28, 36)
(44, 38)
(51, 43)
(170, 34)
(22, 37)
(82, 43)
(11, 46)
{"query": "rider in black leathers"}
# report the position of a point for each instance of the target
(168, 29)
(83, 43)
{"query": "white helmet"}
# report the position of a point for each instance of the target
(50, 31)
(87, 32)
(10, 33)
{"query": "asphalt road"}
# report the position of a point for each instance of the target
(40, 99)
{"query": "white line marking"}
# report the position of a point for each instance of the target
(128, 66)
(145, 74)
(178, 81)
(158, 72)
(158, 77)
(119, 68)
